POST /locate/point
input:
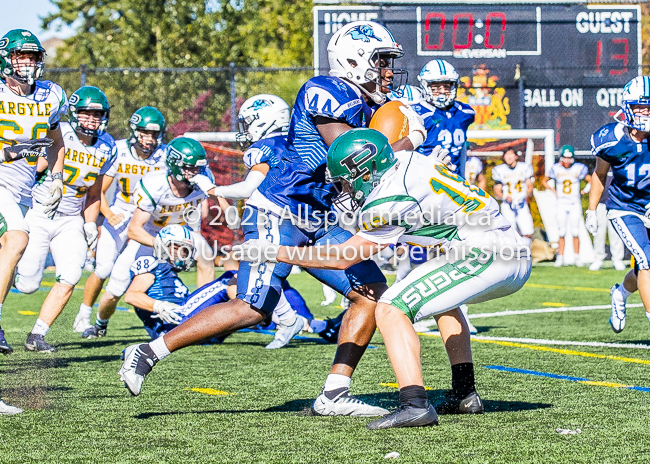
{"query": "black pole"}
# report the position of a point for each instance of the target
(522, 107)
(82, 71)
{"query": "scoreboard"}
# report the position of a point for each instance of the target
(572, 59)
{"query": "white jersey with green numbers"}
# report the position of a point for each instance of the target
(128, 169)
(154, 195)
(81, 168)
(23, 118)
(421, 202)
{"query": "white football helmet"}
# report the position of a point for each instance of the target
(439, 71)
(175, 244)
(407, 94)
(636, 92)
(353, 51)
(261, 115)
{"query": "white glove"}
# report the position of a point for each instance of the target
(166, 312)
(202, 182)
(417, 132)
(26, 148)
(442, 155)
(256, 251)
(591, 223)
(54, 195)
(233, 221)
(90, 229)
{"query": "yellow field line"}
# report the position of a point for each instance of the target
(555, 350)
(209, 391)
(565, 287)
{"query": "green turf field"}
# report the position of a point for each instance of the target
(252, 408)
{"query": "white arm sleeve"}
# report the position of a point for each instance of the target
(243, 189)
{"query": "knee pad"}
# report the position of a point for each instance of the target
(26, 285)
(70, 276)
(103, 269)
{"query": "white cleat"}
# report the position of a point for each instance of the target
(138, 362)
(559, 261)
(579, 263)
(81, 324)
(617, 319)
(345, 405)
(285, 333)
(6, 410)
(619, 265)
(596, 265)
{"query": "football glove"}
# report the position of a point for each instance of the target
(591, 223)
(90, 229)
(417, 133)
(54, 195)
(442, 155)
(202, 182)
(257, 251)
(233, 221)
(166, 311)
(23, 149)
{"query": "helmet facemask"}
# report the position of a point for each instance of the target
(441, 100)
(78, 126)
(27, 74)
(141, 133)
(381, 63)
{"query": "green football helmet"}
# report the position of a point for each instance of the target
(21, 40)
(355, 163)
(147, 118)
(88, 98)
(183, 153)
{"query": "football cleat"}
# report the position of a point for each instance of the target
(94, 332)
(596, 265)
(36, 342)
(617, 319)
(559, 261)
(5, 348)
(285, 333)
(81, 323)
(345, 404)
(619, 265)
(331, 332)
(406, 416)
(5, 409)
(138, 362)
(471, 404)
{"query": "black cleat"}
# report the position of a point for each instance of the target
(471, 404)
(94, 332)
(37, 343)
(331, 332)
(5, 348)
(406, 416)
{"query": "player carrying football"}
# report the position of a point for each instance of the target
(416, 199)
(623, 147)
(30, 110)
(567, 175)
(89, 153)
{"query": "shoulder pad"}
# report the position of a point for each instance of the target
(331, 98)
(607, 136)
(143, 265)
(465, 108)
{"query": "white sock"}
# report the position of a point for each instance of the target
(40, 328)
(335, 381)
(284, 313)
(623, 291)
(85, 311)
(159, 348)
(648, 316)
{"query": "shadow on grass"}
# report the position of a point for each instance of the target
(102, 343)
(55, 362)
(389, 400)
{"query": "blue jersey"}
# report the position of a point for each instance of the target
(166, 285)
(447, 128)
(267, 150)
(630, 162)
(298, 182)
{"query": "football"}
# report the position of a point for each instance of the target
(390, 121)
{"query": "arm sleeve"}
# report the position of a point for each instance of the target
(243, 189)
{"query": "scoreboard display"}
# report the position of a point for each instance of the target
(572, 59)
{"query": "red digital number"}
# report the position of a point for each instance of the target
(599, 55)
(625, 57)
(470, 32)
(431, 17)
(488, 23)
